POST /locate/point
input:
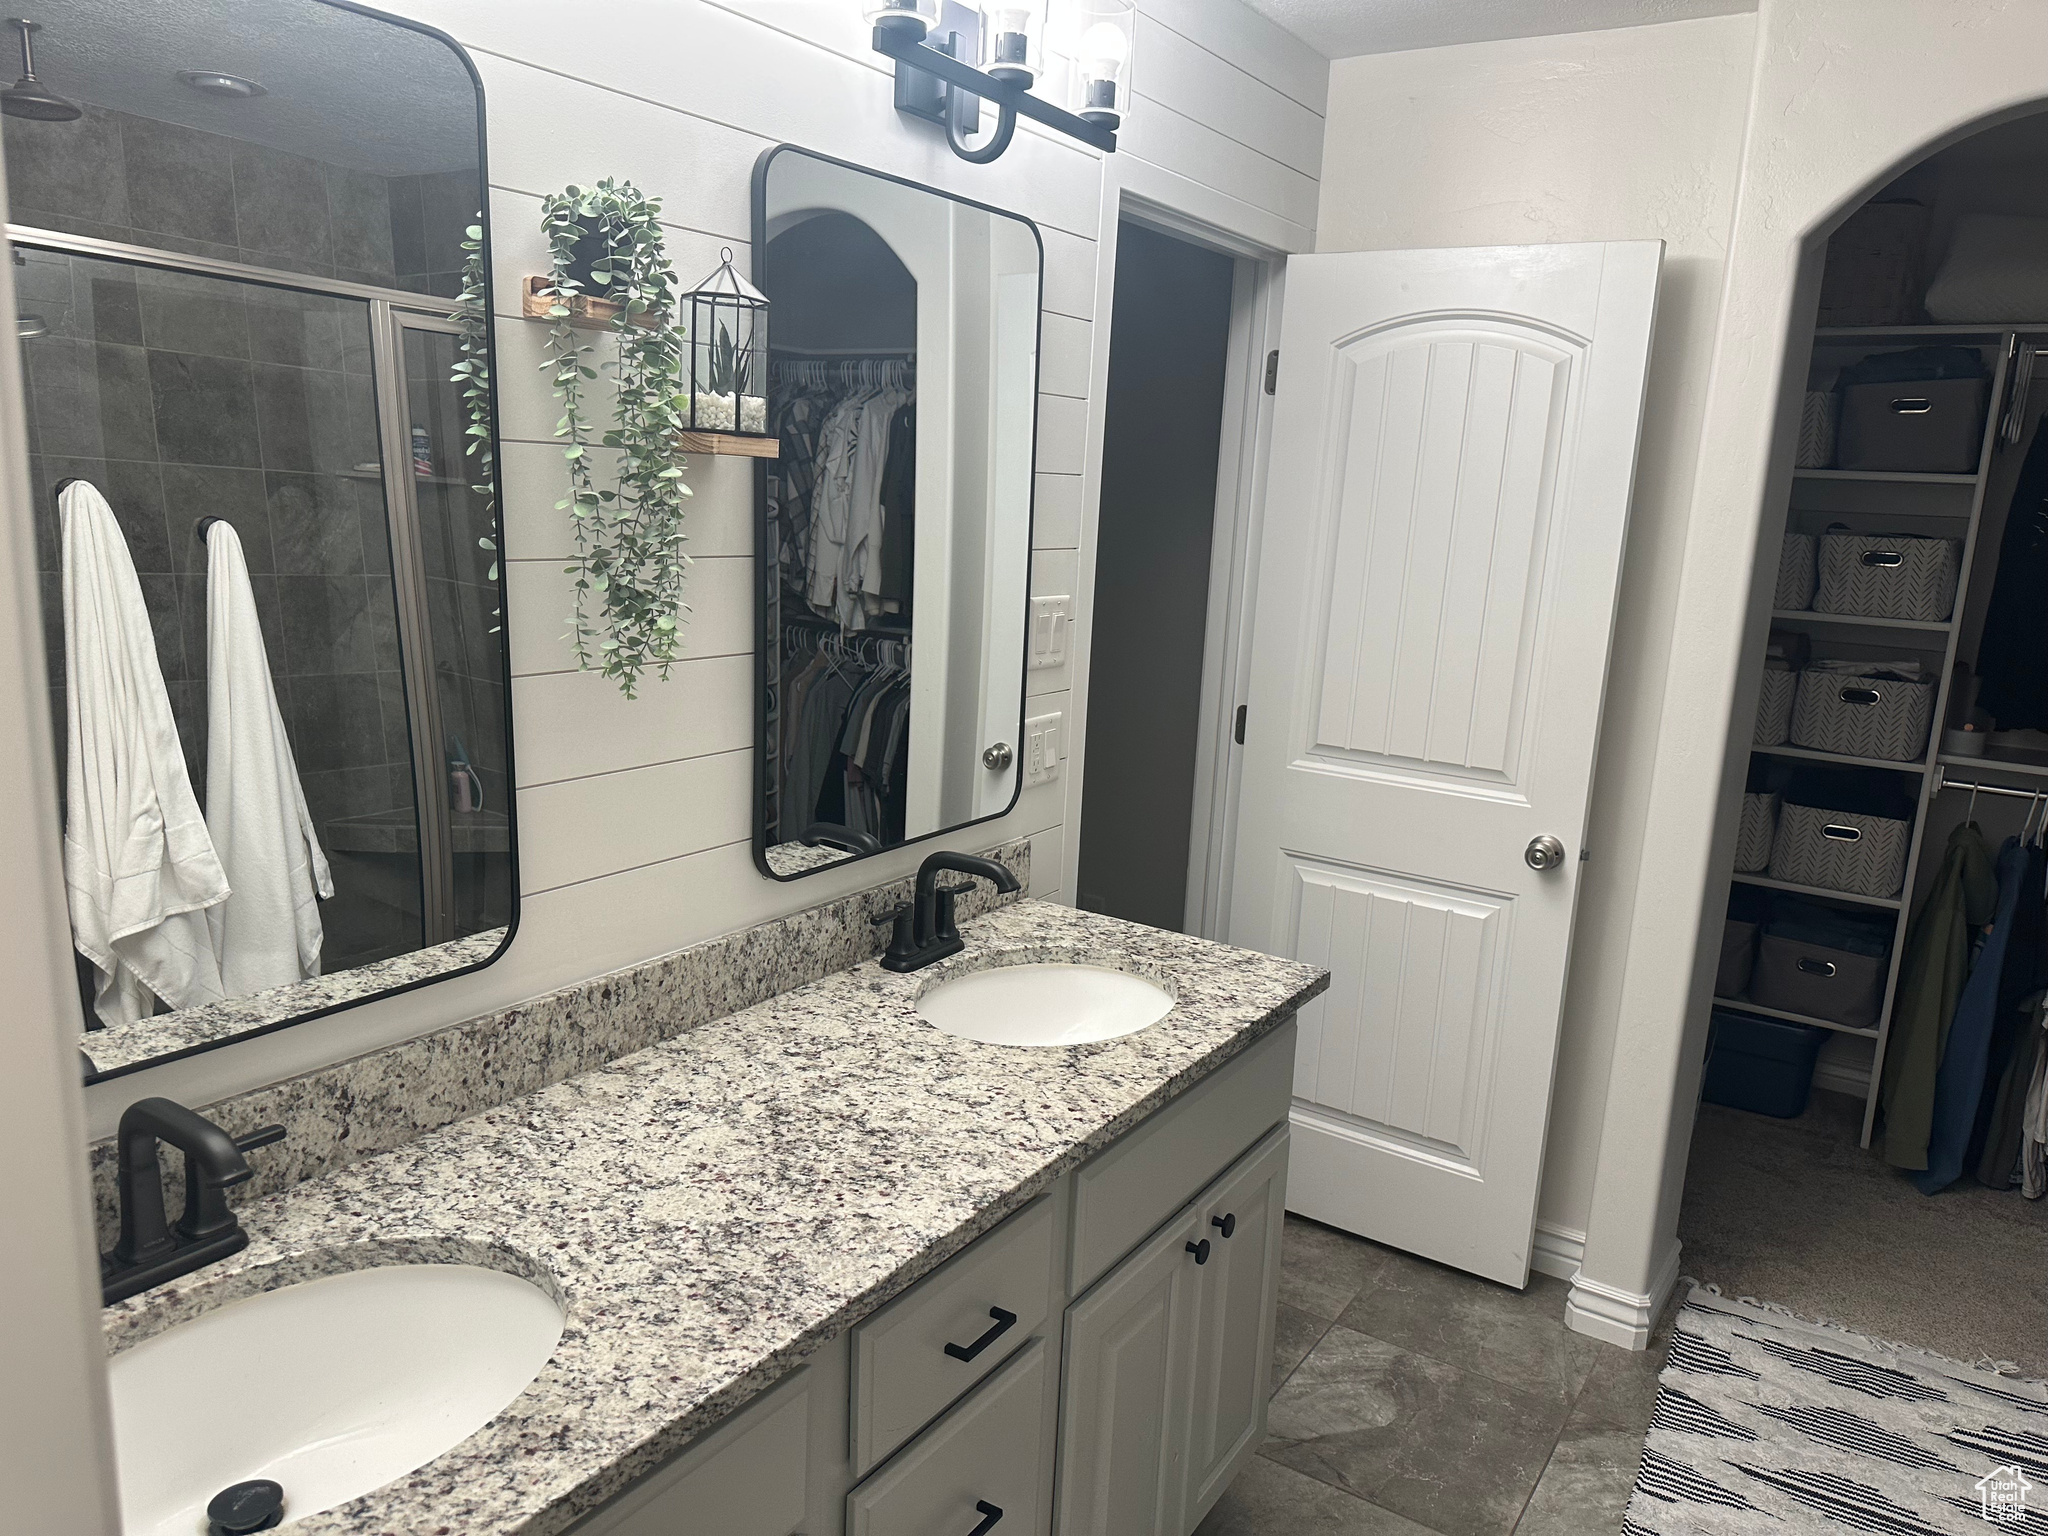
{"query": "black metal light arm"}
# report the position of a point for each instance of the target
(1011, 101)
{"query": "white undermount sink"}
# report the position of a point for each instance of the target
(331, 1388)
(1044, 1004)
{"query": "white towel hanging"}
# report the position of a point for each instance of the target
(139, 866)
(268, 933)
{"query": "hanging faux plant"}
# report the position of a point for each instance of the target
(472, 374)
(607, 244)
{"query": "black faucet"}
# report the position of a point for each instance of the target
(150, 1251)
(924, 929)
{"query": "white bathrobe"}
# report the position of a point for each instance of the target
(139, 867)
(268, 933)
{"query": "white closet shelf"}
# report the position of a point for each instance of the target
(1813, 755)
(1822, 891)
(1994, 764)
(1742, 1005)
(1892, 476)
(1915, 332)
(1811, 616)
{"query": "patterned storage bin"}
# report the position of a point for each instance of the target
(1774, 707)
(1840, 850)
(1879, 576)
(1753, 838)
(1796, 573)
(1861, 716)
(1816, 430)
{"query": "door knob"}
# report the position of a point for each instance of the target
(1544, 852)
(997, 757)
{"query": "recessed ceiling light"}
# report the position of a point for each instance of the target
(214, 83)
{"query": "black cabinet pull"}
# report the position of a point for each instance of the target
(990, 1515)
(1200, 1251)
(1005, 1321)
(1227, 1222)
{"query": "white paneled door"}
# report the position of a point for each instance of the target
(1454, 442)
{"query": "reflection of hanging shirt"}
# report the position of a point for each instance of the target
(831, 504)
(862, 570)
(899, 510)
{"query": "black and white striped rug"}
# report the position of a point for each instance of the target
(1766, 1422)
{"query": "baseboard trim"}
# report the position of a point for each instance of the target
(1616, 1316)
(1842, 1077)
(1557, 1251)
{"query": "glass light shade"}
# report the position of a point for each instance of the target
(1010, 40)
(915, 16)
(1101, 32)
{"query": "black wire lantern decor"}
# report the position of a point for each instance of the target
(728, 354)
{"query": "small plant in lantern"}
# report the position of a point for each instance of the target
(728, 355)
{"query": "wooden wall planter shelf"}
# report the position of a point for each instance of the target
(594, 314)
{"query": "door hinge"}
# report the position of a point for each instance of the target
(1238, 729)
(1272, 369)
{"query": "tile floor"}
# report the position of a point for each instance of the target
(1413, 1400)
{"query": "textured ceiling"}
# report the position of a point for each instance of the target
(1337, 29)
(343, 88)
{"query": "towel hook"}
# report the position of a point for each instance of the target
(204, 526)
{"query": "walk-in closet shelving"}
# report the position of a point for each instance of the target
(1878, 501)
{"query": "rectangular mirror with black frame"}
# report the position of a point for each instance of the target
(249, 254)
(895, 524)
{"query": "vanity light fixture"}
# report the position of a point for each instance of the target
(212, 82)
(1101, 52)
(934, 78)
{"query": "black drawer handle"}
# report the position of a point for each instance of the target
(1200, 1251)
(1814, 967)
(1005, 1321)
(989, 1513)
(1226, 1222)
(1912, 405)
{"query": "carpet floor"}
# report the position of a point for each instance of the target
(1795, 1213)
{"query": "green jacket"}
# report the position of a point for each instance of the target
(1937, 961)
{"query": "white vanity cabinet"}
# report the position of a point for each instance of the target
(1096, 1365)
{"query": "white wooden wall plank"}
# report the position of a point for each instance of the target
(583, 829)
(1206, 204)
(539, 593)
(1054, 573)
(1191, 149)
(720, 520)
(1062, 434)
(1056, 512)
(1069, 273)
(569, 725)
(1166, 68)
(1063, 355)
(1241, 35)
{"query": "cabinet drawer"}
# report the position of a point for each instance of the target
(981, 1466)
(747, 1477)
(1160, 1166)
(983, 1302)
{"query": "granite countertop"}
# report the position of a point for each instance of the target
(713, 1209)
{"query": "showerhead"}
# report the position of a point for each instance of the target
(29, 97)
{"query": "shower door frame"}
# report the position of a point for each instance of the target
(392, 311)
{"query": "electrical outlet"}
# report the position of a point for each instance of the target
(1051, 618)
(1043, 750)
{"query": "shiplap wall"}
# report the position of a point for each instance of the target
(634, 817)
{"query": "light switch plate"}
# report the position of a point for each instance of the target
(1051, 619)
(1044, 748)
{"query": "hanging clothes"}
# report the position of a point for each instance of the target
(2012, 659)
(2009, 953)
(268, 932)
(140, 868)
(1999, 1164)
(1931, 976)
(899, 511)
(2034, 1122)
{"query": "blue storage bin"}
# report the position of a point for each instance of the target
(1761, 1065)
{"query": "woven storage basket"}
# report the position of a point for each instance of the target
(1796, 573)
(1774, 707)
(1879, 576)
(1822, 983)
(1753, 839)
(1817, 430)
(1862, 716)
(1840, 850)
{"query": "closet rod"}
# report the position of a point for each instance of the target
(1945, 783)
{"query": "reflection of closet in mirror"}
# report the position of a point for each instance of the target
(321, 421)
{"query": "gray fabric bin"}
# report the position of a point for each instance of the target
(1920, 426)
(1758, 828)
(1884, 576)
(1774, 706)
(1862, 716)
(1738, 954)
(1797, 562)
(1840, 850)
(1820, 983)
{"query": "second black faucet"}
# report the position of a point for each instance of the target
(924, 929)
